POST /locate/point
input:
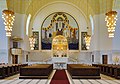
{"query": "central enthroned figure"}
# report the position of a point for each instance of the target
(60, 32)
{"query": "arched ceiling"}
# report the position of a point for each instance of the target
(87, 6)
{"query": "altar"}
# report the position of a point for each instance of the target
(60, 62)
(60, 52)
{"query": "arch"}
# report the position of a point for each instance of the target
(62, 2)
(92, 24)
(76, 13)
(27, 24)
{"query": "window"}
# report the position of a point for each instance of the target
(27, 24)
(26, 58)
(92, 58)
(92, 24)
(15, 44)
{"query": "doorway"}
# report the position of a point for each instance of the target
(104, 59)
(14, 59)
(92, 58)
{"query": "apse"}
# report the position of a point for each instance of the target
(60, 23)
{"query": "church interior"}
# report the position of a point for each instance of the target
(59, 42)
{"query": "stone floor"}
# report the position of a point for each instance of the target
(15, 80)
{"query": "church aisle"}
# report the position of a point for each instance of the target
(60, 77)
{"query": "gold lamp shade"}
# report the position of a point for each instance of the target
(111, 18)
(87, 41)
(32, 42)
(8, 17)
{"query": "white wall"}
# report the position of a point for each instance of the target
(20, 31)
(39, 56)
(97, 57)
(105, 41)
(36, 56)
(3, 39)
(81, 57)
(100, 39)
(85, 57)
(94, 44)
(101, 43)
(116, 39)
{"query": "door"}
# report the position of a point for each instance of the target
(104, 59)
(15, 59)
(92, 58)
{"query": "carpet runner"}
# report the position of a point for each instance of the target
(60, 77)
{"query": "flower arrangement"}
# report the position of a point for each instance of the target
(116, 59)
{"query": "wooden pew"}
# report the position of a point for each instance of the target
(9, 70)
(109, 69)
(36, 71)
(83, 71)
(2, 72)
